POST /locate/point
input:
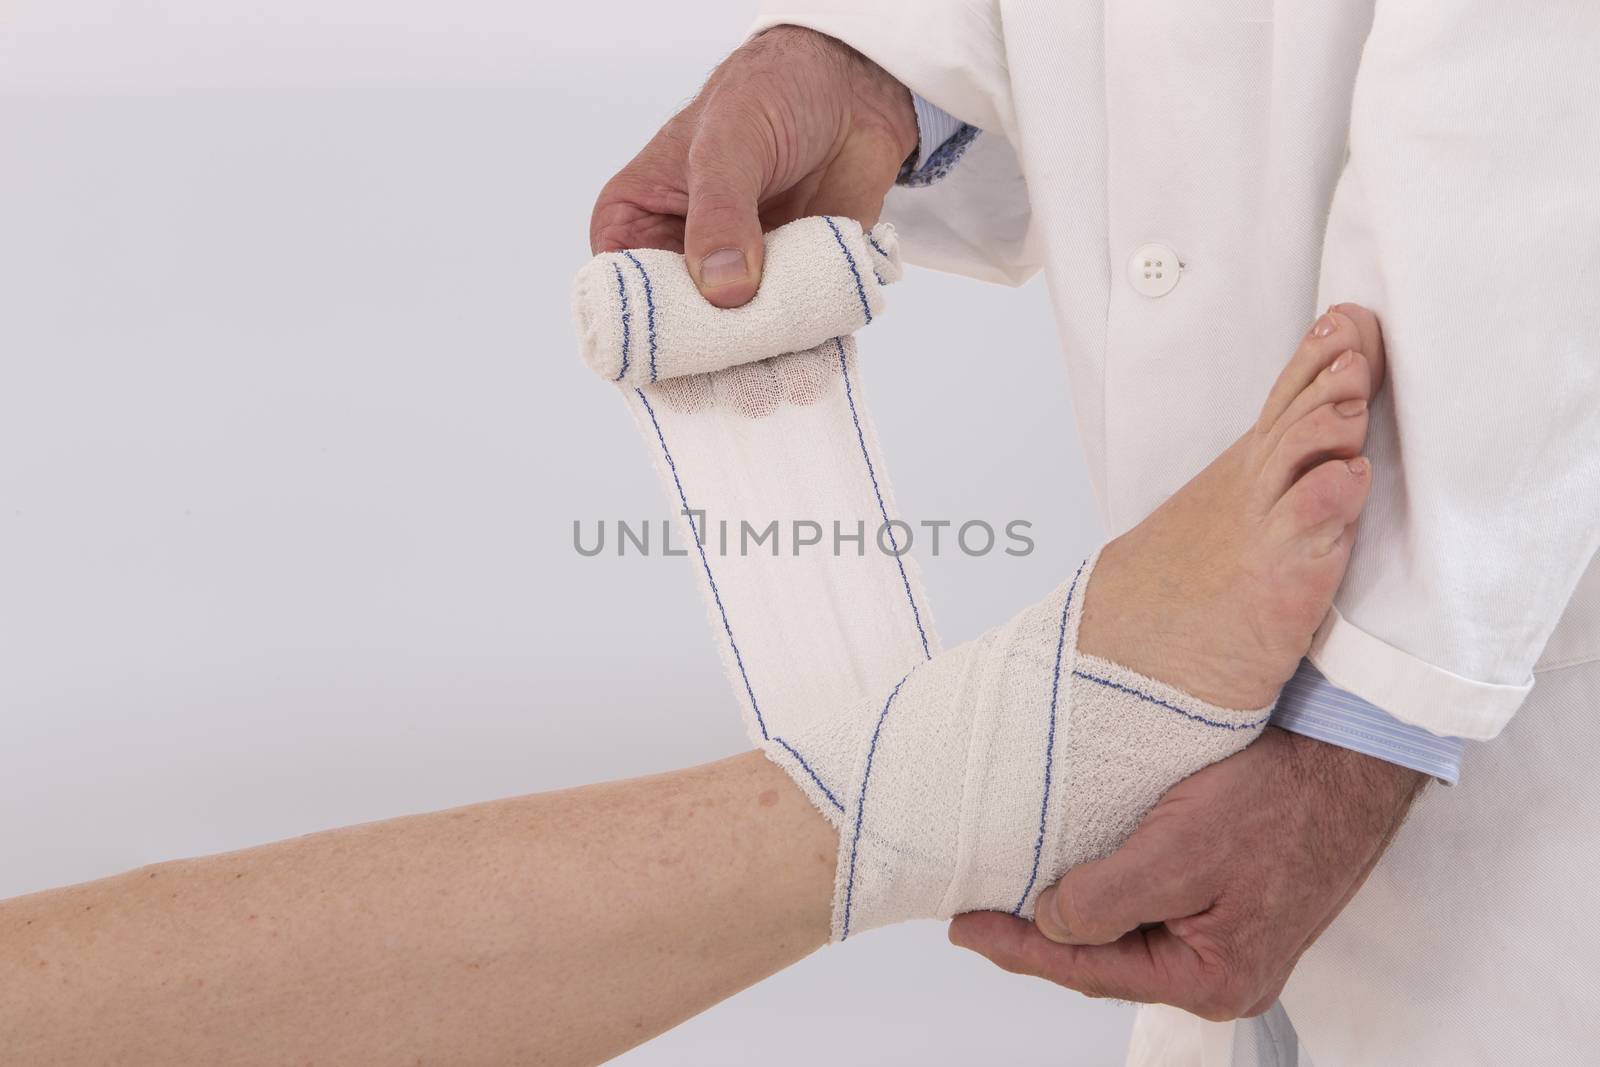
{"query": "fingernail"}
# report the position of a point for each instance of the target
(1340, 364)
(1048, 919)
(1358, 466)
(1324, 326)
(1351, 407)
(723, 267)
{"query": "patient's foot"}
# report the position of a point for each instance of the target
(999, 764)
(1220, 589)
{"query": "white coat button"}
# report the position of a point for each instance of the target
(1153, 270)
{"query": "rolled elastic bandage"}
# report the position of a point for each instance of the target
(640, 318)
(960, 780)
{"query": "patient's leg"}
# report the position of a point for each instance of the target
(558, 929)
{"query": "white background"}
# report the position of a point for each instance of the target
(293, 433)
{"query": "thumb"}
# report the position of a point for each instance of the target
(728, 167)
(1150, 879)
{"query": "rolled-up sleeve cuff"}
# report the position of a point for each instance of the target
(1411, 690)
(1312, 706)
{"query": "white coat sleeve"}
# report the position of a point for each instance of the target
(977, 220)
(1468, 217)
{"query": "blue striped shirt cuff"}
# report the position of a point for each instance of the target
(935, 126)
(942, 139)
(1312, 706)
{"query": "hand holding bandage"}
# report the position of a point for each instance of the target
(641, 320)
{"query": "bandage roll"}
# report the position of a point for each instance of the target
(640, 318)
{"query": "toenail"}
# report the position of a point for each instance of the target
(1358, 466)
(1351, 407)
(1341, 363)
(1324, 326)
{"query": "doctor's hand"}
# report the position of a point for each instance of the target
(1212, 900)
(794, 123)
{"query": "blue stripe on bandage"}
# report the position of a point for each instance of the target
(649, 308)
(876, 247)
(622, 294)
(1201, 719)
(704, 562)
(861, 802)
(850, 260)
(844, 368)
(1050, 742)
(814, 776)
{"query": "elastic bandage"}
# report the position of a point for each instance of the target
(961, 780)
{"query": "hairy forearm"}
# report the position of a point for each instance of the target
(557, 928)
(1367, 798)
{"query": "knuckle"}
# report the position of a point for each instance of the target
(1071, 908)
(1236, 1001)
(1223, 1001)
(1217, 1009)
(1226, 987)
(657, 168)
(736, 130)
(720, 208)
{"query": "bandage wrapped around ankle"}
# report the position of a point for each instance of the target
(961, 780)
(994, 767)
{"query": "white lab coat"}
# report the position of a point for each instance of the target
(1434, 160)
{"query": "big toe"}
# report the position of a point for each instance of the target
(1317, 516)
(1314, 480)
